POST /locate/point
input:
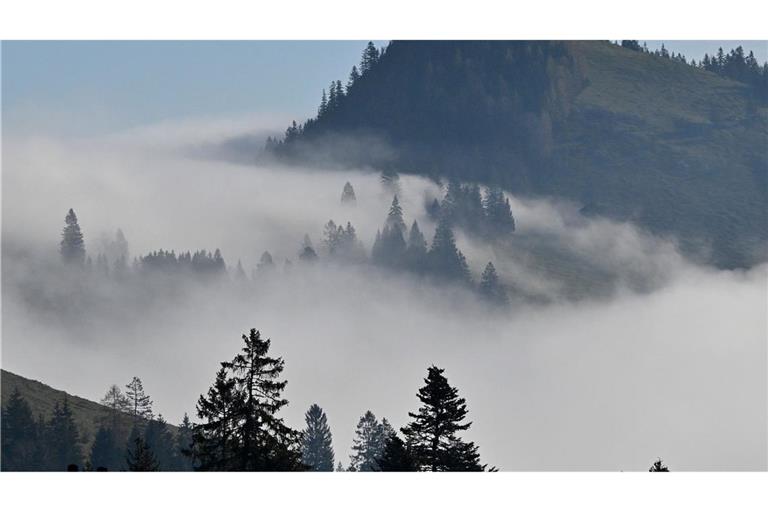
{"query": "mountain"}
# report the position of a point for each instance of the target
(630, 135)
(87, 414)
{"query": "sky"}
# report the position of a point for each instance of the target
(118, 85)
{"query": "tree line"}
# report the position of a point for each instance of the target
(735, 64)
(487, 216)
(241, 429)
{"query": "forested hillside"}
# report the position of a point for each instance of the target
(675, 146)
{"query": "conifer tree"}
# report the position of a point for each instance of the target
(416, 251)
(395, 216)
(115, 399)
(141, 458)
(370, 57)
(323, 105)
(184, 444)
(658, 467)
(105, 452)
(370, 439)
(339, 467)
(139, 403)
(19, 436)
(316, 441)
(498, 213)
(354, 75)
(72, 246)
(214, 442)
(397, 456)
(265, 263)
(307, 253)
(62, 439)
(265, 442)
(491, 288)
(433, 433)
(348, 195)
(160, 442)
(445, 259)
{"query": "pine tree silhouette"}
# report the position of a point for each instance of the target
(316, 441)
(141, 458)
(72, 246)
(433, 433)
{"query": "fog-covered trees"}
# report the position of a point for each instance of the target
(445, 259)
(139, 403)
(316, 441)
(307, 253)
(432, 436)
(72, 247)
(490, 287)
(498, 213)
(371, 437)
(348, 195)
(241, 430)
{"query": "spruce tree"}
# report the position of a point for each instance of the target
(139, 403)
(140, 457)
(72, 247)
(316, 441)
(395, 216)
(445, 259)
(397, 456)
(416, 251)
(354, 75)
(658, 467)
(214, 441)
(491, 288)
(159, 440)
(348, 195)
(240, 275)
(105, 452)
(184, 444)
(265, 442)
(265, 263)
(307, 253)
(19, 436)
(62, 439)
(369, 59)
(433, 433)
(369, 443)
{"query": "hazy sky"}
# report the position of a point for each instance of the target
(116, 85)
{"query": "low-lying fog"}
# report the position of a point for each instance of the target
(621, 351)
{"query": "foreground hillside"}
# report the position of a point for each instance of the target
(88, 415)
(630, 135)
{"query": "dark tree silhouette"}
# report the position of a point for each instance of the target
(213, 442)
(184, 445)
(445, 259)
(316, 441)
(265, 442)
(491, 288)
(416, 251)
(659, 467)
(160, 442)
(62, 439)
(19, 436)
(72, 246)
(139, 403)
(105, 452)
(397, 456)
(369, 59)
(140, 457)
(433, 433)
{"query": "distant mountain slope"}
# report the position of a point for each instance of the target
(630, 135)
(87, 414)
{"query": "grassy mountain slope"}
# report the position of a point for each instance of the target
(88, 415)
(630, 135)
